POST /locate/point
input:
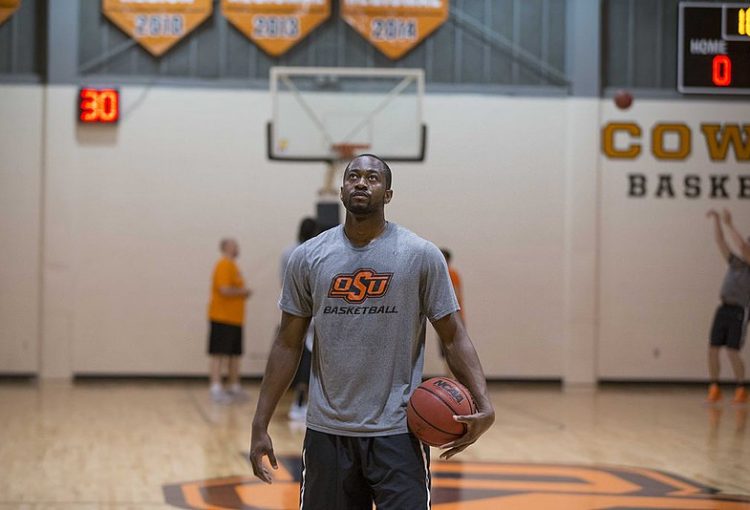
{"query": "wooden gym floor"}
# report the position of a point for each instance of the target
(145, 445)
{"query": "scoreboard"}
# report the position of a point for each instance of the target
(713, 48)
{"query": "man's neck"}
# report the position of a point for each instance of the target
(361, 230)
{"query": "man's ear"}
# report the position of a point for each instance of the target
(388, 196)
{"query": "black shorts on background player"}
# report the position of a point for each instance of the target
(349, 473)
(728, 328)
(225, 339)
(302, 376)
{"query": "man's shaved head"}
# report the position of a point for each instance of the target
(386, 168)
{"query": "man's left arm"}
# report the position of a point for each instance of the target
(463, 361)
(742, 245)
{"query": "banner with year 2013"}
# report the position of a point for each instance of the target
(7, 8)
(157, 25)
(276, 25)
(395, 26)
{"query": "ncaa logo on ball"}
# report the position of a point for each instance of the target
(452, 390)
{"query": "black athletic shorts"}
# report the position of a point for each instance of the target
(350, 473)
(303, 370)
(728, 329)
(224, 339)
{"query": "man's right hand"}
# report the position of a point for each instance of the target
(261, 446)
(712, 214)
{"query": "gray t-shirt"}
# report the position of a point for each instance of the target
(369, 306)
(735, 289)
(285, 255)
(285, 260)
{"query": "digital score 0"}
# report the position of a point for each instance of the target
(98, 106)
(713, 48)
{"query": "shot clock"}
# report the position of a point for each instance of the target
(713, 48)
(98, 106)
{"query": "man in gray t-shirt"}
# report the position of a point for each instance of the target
(730, 320)
(370, 286)
(308, 228)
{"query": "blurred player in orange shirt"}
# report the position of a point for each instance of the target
(226, 315)
(456, 281)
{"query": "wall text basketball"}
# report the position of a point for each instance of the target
(717, 186)
(674, 141)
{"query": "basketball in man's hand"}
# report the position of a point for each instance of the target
(432, 407)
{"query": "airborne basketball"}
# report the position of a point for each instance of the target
(623, 99)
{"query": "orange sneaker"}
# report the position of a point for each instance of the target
(740, 395)
(714, 393)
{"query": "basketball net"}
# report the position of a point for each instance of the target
(344, 153)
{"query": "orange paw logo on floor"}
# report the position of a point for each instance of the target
(357, 286)
(482, 486)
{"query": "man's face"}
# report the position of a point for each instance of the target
(232, 249)
(364, 186)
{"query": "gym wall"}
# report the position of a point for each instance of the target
(130, 217)
(576, 265)
(21, 207)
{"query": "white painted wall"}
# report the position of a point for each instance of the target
(132, 234)
(564, 275)
(143, 206)
(580, 241)
(660, 268)
(20, 199)
(491, 191)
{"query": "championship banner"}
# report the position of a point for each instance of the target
(7, 8)
(394, 26)
(276, 25)
(157, 25)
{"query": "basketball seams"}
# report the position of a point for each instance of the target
(446, 404)
(466, 393)
(460, 387)
(444, 401)
(472, 404)
(431, 425)
(440, 393)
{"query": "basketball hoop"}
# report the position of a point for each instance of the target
(344, 153)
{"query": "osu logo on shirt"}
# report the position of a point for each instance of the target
(362, 284)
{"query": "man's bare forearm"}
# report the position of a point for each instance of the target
(718, 231)
(282, 364)
(739, 242)
(719, 235)
(230, 292)
(464, 362)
